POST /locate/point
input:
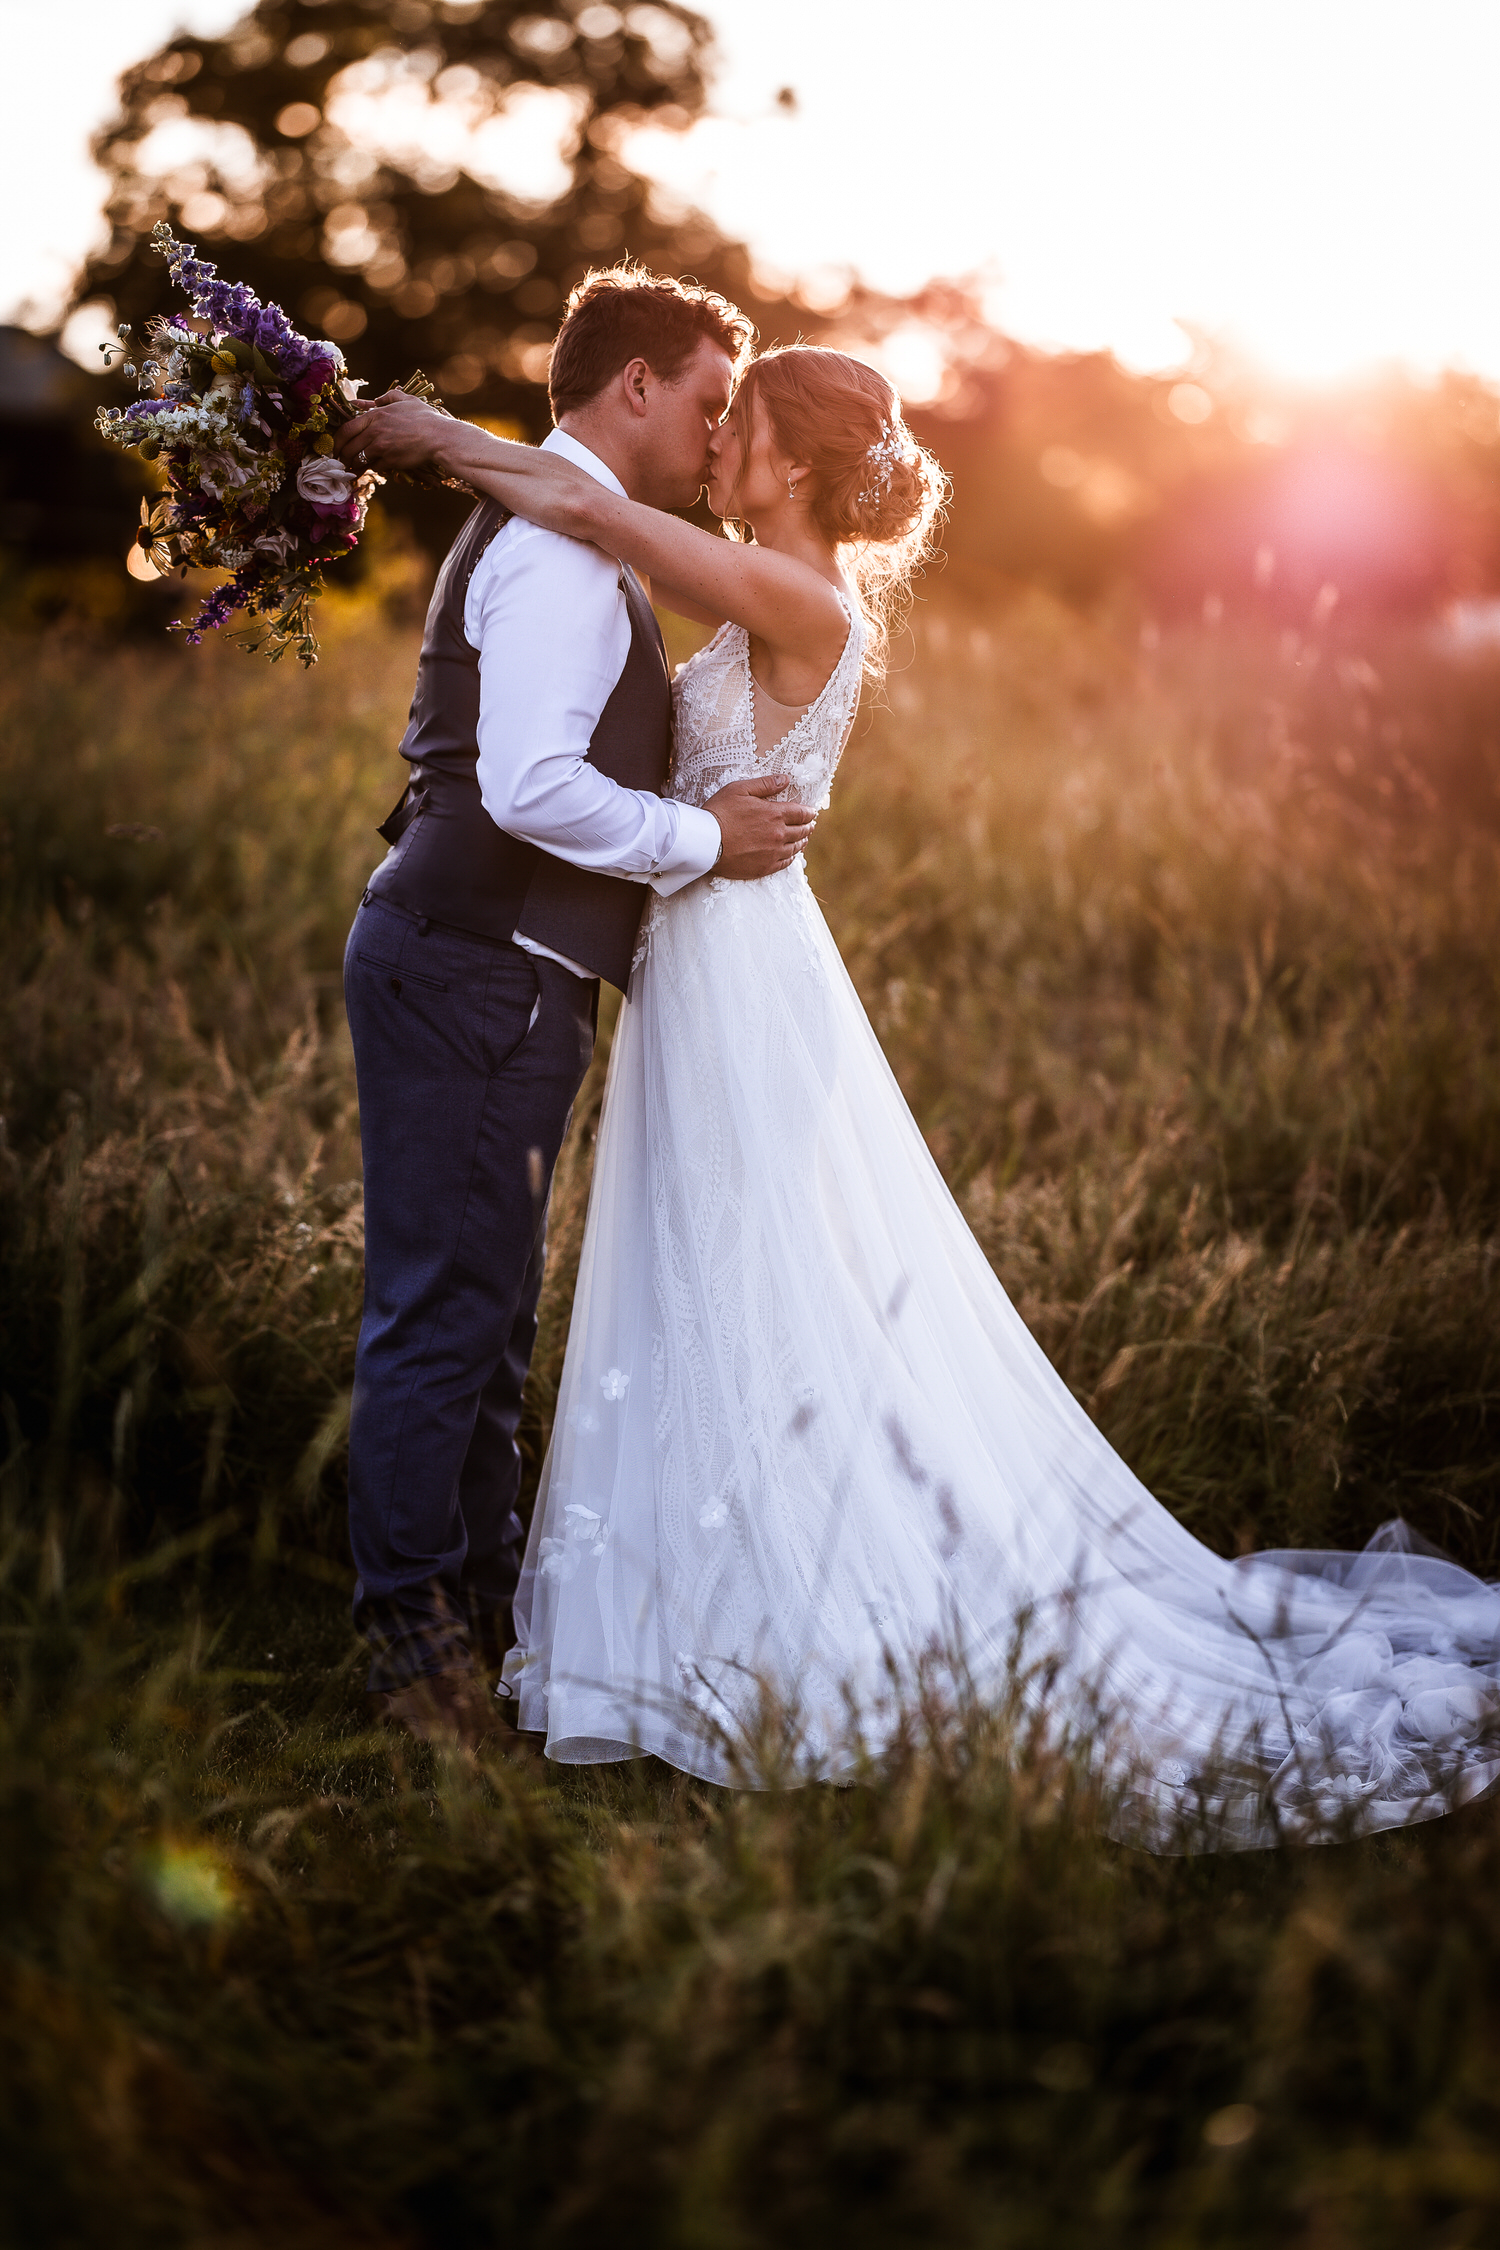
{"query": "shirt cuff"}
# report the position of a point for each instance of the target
(694, 850)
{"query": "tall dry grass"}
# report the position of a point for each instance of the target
(1186, 955)
(1187, 960)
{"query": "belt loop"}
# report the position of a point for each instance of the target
(421, 925)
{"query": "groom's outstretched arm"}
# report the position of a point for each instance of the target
(549, 621)
(552, 631)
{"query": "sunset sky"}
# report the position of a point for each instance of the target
(1316, 180)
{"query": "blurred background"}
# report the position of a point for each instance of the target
(1192, 304)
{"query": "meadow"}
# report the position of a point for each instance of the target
(1185, 946)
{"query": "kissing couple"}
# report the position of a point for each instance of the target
(803, 1441)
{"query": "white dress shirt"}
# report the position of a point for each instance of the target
(548, 617)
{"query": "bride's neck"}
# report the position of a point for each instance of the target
(790, 533)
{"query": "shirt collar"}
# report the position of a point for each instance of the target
(560, 441)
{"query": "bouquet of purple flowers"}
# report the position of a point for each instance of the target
(242, 412)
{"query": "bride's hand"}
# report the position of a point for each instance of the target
(397, 432)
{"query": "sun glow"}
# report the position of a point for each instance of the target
(1315, 185)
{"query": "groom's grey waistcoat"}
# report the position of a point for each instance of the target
(448, 859)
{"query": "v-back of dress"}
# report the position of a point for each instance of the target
(803, 1436)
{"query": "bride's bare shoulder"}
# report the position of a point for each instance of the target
(793, 606)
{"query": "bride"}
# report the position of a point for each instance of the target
(803, 1439)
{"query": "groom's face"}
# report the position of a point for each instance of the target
(683, 415)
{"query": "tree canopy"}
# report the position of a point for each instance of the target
(353, 160)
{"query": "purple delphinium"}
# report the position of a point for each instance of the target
(235, 310)
(288, 351)
(220, 605)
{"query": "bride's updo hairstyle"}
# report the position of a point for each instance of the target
(876, 495)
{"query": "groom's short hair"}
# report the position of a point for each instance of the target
(620, 313)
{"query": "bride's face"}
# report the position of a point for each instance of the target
(746, 475)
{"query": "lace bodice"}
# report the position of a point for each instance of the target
(714, 721)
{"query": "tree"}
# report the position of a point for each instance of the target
(333, 154)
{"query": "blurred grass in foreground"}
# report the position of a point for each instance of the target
(1188, 958)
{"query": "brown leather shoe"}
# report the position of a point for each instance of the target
(449, 1708)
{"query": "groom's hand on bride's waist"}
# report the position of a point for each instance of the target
(763, 829)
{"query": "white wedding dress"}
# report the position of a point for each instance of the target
(803, 1436)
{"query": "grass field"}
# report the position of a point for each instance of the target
(1187, 952)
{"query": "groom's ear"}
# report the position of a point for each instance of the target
(637, 377)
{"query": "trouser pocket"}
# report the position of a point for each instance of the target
(397, 974)
(512, 1004)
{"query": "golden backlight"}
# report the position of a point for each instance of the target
(1313, 180)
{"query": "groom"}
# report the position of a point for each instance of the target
(522, 854)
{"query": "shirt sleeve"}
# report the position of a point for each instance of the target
(549, 621)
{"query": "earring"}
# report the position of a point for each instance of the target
(791, 488)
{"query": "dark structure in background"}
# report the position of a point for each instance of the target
(67, 500)
(1201, 493)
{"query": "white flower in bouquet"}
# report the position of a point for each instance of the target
(216, 470)
(325, 481)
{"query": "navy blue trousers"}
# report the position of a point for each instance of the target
(469, 1052)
